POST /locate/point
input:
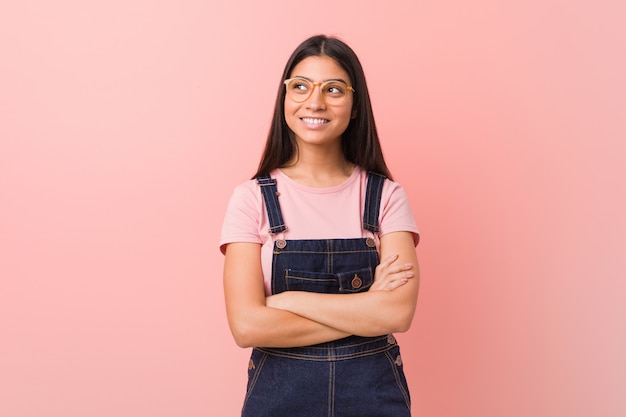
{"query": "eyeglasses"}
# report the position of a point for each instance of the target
(334, 91)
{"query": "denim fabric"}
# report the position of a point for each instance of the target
(355, 376)
(270, 197)
(373, 193)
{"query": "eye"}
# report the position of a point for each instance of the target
(300, 86)
(335, 89)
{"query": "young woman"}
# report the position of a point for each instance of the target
(303, 240)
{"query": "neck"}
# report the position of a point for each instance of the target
(318, 167)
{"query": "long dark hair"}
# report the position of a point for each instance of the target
(360, 142)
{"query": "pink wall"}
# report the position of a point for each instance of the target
(124, 126)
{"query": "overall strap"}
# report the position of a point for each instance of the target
(372, 201)
(270, 196)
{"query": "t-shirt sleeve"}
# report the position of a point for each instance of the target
(243, 214)
(396, 214)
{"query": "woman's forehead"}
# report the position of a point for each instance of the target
(319, 68)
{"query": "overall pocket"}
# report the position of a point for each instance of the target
(310, 281)
(359, 280)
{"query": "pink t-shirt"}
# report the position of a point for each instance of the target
(312, 213)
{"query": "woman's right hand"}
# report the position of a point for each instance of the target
(388, 276)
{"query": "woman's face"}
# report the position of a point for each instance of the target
(315, 121)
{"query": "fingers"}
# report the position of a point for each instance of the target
(387, 262)
(389, 276)
(386, 266)
(388, 284)
(392, 285)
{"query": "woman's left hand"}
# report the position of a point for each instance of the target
(388, 276)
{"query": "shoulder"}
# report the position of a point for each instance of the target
(390, 190)
(243, 215)
(248, 193)
(244, 195)
(395, 212)
(394, 190)
(248, 187)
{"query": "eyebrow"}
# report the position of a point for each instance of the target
(330, 79)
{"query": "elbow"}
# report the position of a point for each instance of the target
(251, 327)
(401, 322)
(243, 343)
(243, 334)
(400, 315)
(241, 340)
(382, 327)
(402, 326)
(387, 317)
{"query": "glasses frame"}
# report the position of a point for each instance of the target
(319, 84)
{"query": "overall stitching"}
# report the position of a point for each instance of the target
(399, 383)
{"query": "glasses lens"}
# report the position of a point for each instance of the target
(334, 91)
(299, 89)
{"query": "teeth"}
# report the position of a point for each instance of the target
(314, 121)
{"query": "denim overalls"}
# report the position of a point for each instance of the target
(355, 376)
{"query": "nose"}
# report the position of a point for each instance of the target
(316, 100)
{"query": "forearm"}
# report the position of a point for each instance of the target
(365, 314)
(271, 327)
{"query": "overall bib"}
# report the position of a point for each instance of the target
(350, 377)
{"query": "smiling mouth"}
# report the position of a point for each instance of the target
(314, 121)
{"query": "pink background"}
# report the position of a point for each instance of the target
(124, 126)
